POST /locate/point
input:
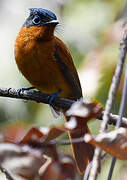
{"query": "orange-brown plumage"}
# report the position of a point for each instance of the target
(46, 63)
(34, 53)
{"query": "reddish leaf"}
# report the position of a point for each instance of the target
(43, 134)
(21, 162)
(61, 170)
(34, 134)
(114, 142)
(13, 133)
(85, 108)
(77, 117)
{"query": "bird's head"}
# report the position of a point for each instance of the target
(39, 17)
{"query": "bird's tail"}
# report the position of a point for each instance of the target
(83, 152)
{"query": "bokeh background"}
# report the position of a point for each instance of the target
(92, 30)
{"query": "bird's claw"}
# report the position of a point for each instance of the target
(52, 96)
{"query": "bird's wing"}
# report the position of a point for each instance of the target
(66, 65)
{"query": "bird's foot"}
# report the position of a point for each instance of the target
(24, 89)
(52, 96)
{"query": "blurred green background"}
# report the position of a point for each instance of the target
(92, 30)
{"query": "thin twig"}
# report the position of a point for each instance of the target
(111, 168)
(61, 142)
(65, 142)
(89, 166)
(109, 103)
(118, 124)
(61, 103)
(8, 176)
(43, 144)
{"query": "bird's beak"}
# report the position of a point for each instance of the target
(53, 22)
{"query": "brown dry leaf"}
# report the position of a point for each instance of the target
(77, 117)
(61, 170)
(43, 134)
(13, 132)
(114, 142)
(29, 158)
(85, 108)
(26, 161)
(21, 162)
(34, 143)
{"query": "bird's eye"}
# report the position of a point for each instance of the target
(36, 20)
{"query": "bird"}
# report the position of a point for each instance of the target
(45, 61)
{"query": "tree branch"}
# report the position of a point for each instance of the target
(8, 176)
(36, 96)
(58, 102)
(109, 104)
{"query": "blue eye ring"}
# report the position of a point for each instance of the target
(36, 20)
